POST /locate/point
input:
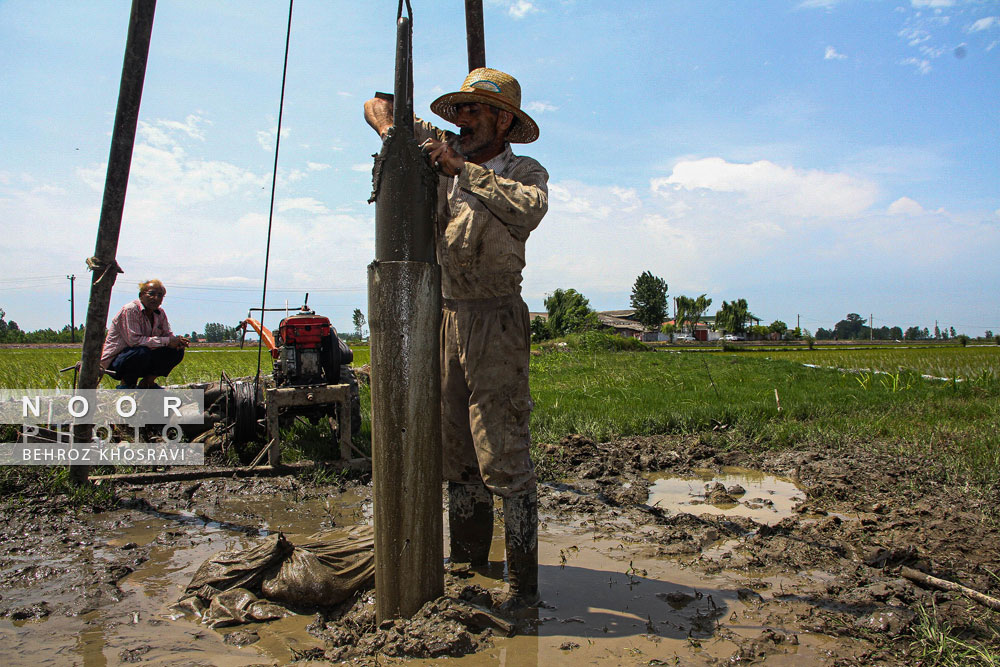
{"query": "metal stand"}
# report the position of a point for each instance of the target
(287, 397)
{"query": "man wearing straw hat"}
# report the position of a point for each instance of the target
(489, 201)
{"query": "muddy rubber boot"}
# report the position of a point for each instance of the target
(520, 514)
(470, 521)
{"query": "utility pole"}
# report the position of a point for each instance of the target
(798, 324)
(871, 327)
(104, 264)
(72, 313)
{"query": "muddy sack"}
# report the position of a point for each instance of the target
(251, 584)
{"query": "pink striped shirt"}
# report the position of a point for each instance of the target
(131, 328)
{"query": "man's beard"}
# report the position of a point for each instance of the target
(471, 143)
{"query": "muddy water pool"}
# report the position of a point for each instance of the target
(603, 603)
(764, 498)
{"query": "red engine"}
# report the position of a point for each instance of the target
(309, 351)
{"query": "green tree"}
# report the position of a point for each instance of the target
(539, 330)
(988, 334)
(778, 327)
(217, 333)
(689, 310)
(850, 328)
(359, 322)
(733, 317)
(569, 312)
(649, 299)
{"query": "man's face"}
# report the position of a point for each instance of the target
(478, 128)
(152, 296)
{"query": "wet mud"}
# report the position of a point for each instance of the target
(658, 550)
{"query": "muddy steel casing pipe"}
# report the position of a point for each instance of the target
(404, 305)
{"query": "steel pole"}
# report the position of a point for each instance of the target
(404, 306)
(475, 35)
(72, 309)
(103, 263)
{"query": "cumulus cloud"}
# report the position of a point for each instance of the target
(905, 206)
(932, 4)
(818, 4)
(831, 54)
(317, 166)
(540, 107)
(362, 167)
(796, 192)
(306, 204)
(516, 9)
(985, 24)
(923, 66)
(266, 137)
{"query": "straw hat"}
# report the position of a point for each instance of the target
(497, 89)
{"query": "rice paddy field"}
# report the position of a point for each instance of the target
(765, 399)
(962, 363)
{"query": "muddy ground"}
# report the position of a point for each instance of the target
(774, 558)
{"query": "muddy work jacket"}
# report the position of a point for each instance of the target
(484, 217)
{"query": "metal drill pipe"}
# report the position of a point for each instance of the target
(404, 305)
(475, 37)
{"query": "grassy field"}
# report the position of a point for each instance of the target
(736, 395)
(963, 363)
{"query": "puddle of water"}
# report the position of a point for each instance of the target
(604, 605)
(767, 498)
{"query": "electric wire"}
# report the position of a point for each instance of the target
(274, 181)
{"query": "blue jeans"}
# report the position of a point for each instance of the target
(135, 363)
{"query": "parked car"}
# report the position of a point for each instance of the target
(734, 337)
(683, 337)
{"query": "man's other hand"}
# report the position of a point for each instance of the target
(178, 342)
(443, 157)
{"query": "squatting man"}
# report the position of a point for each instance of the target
(489, 201)
(140, 346)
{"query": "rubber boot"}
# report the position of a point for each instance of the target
(470, 521)
(520, 515)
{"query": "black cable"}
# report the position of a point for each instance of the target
(274, 180)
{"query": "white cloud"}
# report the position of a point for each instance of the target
(933, 52)
(932, 4)
(923, 66)
(317, 166)
(517, 9)
(831, 54)
(362, 167)
(914, 36)
(306, 204)
(266, 137)
(985, 24)
(818, 4)
(795, 192)
(540, 107)
(190, 126)
(521, 8)
(905, 206)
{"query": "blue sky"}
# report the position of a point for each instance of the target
(816, 158)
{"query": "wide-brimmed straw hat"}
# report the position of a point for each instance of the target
(497, 89)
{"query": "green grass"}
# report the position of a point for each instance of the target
(965, 363)
(38, 368)
(584, 388)
(937, 644)
(610, 394)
